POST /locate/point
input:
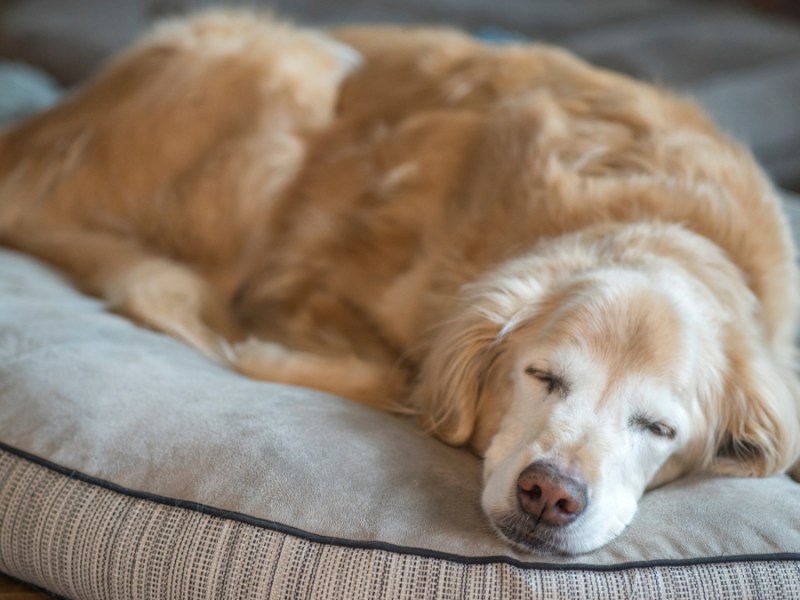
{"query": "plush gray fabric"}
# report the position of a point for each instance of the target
(93, 392)
(24, 90)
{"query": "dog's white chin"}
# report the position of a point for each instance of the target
(606, 517)
(585, 535)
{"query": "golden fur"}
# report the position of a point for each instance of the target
(395, 227)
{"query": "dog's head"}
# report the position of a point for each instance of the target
(589, 372)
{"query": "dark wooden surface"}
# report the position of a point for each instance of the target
(12, 590)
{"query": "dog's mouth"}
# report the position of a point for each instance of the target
(528, 533)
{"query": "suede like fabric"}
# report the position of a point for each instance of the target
(25, 91)
(93, 392)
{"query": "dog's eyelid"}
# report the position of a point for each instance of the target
(662, 430)
(658, 428)
(553, 382)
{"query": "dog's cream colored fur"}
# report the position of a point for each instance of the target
(433, 225)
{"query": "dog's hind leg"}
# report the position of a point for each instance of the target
(158, 292)
(169, 297)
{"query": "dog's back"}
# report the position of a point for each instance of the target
(213, 143)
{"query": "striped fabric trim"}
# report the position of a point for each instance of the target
(85, 541)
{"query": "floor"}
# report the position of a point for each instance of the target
(11, 590)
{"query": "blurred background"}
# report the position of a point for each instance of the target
(739, 58)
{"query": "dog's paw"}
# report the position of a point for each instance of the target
(254, 349)
(170, 298)
(347, 58)
(156, 288)
(259, 359)
(310, 71)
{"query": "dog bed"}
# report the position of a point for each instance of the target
(132, 467)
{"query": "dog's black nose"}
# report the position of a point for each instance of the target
(549, 495)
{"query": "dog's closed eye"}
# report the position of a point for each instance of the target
(554, 383)
(645, 423)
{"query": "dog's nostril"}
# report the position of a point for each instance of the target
(567, 506)
(547, 494)
(529, 487)
(536, 493)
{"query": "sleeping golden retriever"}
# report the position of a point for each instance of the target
(575, 274)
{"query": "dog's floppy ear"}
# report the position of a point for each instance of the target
(452, 378)
(455, 373)
(759, 433)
